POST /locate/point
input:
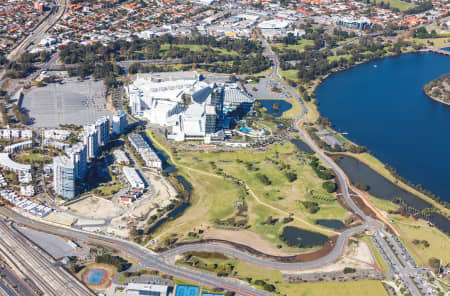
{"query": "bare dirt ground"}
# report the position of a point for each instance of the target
(360, 252)
(357, 256)
(245, 237)
(95, 207)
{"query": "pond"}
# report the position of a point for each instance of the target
(382, 188)
(294, 236)
(335, 224)
(302, 146)
(269, 106)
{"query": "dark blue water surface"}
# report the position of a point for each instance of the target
(268, 104)
(381, 105)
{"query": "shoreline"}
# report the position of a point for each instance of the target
(438, 100)
(441, 207)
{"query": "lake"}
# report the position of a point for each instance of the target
(381, 105)
(268, 104)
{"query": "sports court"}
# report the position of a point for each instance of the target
(183, 290)
(95, 277)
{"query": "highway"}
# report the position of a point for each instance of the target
(38, 33)
(144, 256)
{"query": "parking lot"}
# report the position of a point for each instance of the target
(262, 90)
(72, 102)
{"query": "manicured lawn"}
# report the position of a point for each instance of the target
(214, 197)
(289, 74)
(402, 5)
(300, 46)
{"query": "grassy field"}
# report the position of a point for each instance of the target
(249, 272)
(338, 57)
(289, 74)
(280, 193)
(411, 229)
(196, 48)
(436, 42)
(300, 46)
(354, 288)
(214, 197)
(401, 5)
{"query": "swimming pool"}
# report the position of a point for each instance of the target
(183, 290)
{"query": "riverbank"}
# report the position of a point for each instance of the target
(439, 89)
(312, 87)
(360, 101)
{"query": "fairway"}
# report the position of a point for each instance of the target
(217, 181)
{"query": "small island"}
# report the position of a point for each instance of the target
(439, 89)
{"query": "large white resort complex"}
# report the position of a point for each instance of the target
(192, 108)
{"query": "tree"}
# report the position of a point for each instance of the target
(329, 186)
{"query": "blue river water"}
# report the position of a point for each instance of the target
(381, 105)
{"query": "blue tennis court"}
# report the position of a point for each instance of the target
(95, 277)
(183, 290)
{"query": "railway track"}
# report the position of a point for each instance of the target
(50, 278)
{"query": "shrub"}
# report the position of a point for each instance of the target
(263, 178)
(349, 270)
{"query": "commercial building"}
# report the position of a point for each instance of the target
(137, 289)
(133, 177)
(78, 155)
(64, 177)
(119, 122)
(102, 126)
(191, 108)
(354, 23)
(90, 139)
(149, 156)
(7, 163)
